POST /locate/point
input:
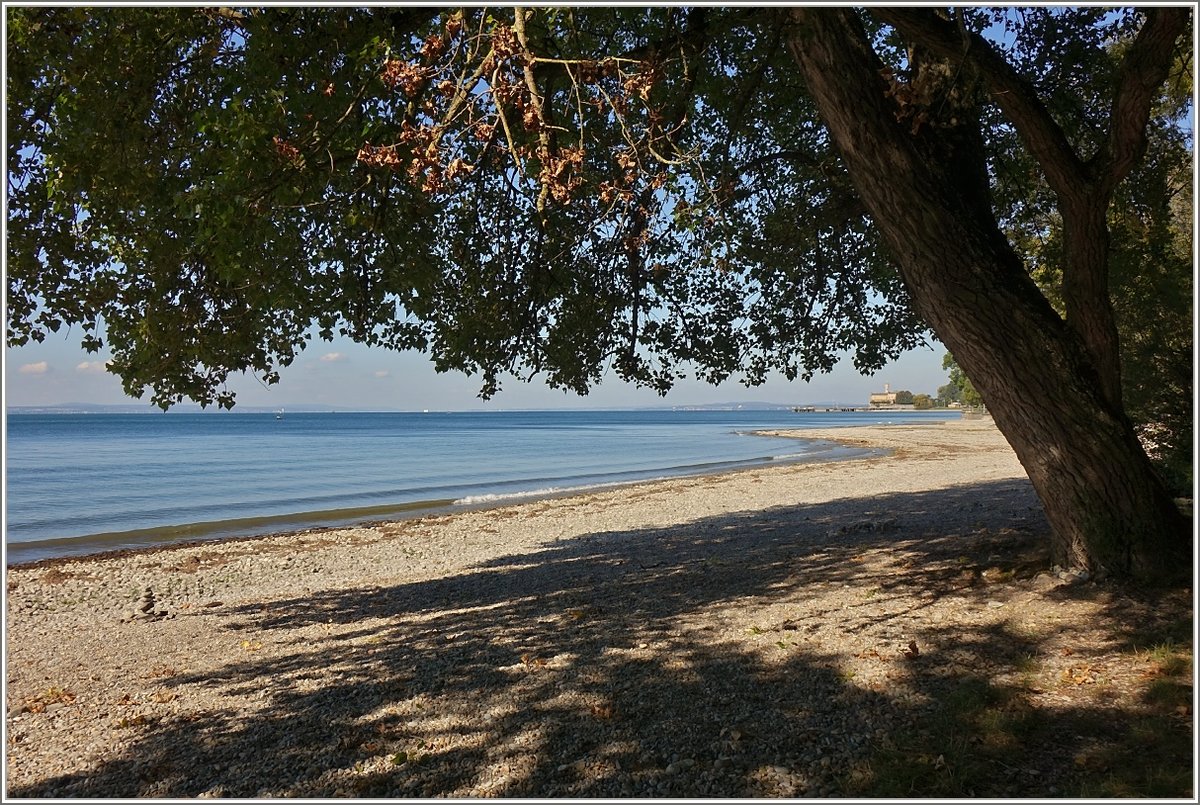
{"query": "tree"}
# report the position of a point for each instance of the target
(948, 393)
(904, 398)
(960, 388)
(571, 191)
(922, 401)
(1052, 386)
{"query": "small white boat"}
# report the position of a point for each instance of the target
(279, 414)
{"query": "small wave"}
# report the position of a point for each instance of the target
(550, 491)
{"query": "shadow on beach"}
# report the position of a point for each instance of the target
(579, 670)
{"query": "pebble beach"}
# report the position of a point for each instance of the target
(752, 634)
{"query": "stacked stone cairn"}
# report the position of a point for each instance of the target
(146, 608)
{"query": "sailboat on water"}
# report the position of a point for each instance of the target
(279, 414)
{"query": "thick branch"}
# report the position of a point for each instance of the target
(1143, 72)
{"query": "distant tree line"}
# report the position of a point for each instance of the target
(958, 390)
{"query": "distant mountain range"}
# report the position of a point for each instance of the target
(192, 408)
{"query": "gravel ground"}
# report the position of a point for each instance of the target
(750, 634)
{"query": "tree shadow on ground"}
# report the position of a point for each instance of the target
(580, 669)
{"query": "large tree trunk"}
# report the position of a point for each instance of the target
(925, 188)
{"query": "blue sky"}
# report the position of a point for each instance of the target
(344, 374)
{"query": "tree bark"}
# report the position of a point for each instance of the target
(1085, 287)
(1108, 510)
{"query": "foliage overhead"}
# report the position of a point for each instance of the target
(628, 197)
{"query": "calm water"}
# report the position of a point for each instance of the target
(88, 482)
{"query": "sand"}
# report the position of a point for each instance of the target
(744, 634)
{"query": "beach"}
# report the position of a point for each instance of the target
(755, 633)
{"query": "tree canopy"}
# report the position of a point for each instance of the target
(566, 192)
(390, 175)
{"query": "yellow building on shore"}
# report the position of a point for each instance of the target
(887, 397)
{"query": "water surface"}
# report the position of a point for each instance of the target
(83, 482)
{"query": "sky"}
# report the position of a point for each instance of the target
(346, 375)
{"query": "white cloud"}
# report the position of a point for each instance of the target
(383, 373)
(39, 368)
(92, 367)
(332, 357)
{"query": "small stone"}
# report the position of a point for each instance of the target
(54, 707)
(994, 604)
(1044, 582)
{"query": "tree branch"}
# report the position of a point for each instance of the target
(1145, 67)
(1143, 72)
(1015, 96)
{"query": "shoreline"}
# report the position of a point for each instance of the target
(543, 649)
(91, 547)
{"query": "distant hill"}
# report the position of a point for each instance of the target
(146, 408)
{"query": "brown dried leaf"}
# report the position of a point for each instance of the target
(603, 711)
(1079, 675)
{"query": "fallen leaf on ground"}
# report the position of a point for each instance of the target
(1081, 675)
